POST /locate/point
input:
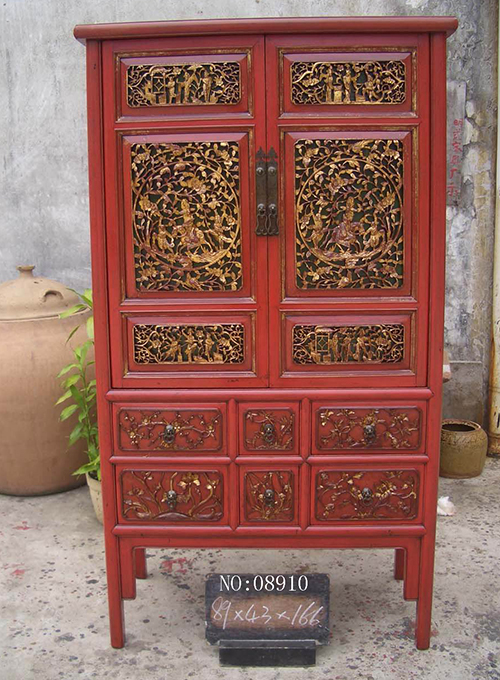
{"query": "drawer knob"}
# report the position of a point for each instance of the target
(171, 499)
(269, 497)
(269, 433)
(366, 495)
(369, 432)
(169, 434)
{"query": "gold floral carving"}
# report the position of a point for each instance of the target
(177, 431)
(183, 84)
(349, 213)
(348, 82)
(387, 428)
(186, 221)
(172, 496)
(268, 430)
(382, 343)
(189, 344)
(390, 494)
(269, 496)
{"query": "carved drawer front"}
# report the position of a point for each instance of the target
(269, 495)
(333, 83)
(169, 84)
(338, 428)
(368, 495)
(269, 428)
(172, 496)
(193, 429)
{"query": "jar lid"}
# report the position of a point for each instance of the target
(33, 297)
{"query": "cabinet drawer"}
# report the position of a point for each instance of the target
(172, 495)
(365, 495)
(362, 428)
(194, 428)
(269, 427)
(268, 494)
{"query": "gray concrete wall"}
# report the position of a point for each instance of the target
(43, 197)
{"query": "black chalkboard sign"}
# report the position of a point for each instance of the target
(267, 607)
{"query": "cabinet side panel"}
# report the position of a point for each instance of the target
(436, 327)
(98, 248)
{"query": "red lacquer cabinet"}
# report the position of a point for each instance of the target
(267, 205)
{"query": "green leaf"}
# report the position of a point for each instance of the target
(87, 297)
(66, 369)
(90, 327)
(81, 351)
(72, 333)
(68, 412)
(72, 380)
(88, 467)
(77, 397)
(91, 383)
(72, 310)
(76, 434)
(65, 396)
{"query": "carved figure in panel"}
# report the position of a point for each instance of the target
(186, 344)
(171, 496)
(186, 221)
(387, 428)
(268, 430)
(349, 213)
(183, 84)
(366, 495)
(170, 431)
(382, 343)
(269, 496)
(348, 82)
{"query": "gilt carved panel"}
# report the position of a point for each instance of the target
(186, 216)
(170, 430)
(173, 496)
(372, 495)
(183, 84)
(374, 428)
(269, 496)
(189, 344)
(269, 429)
(348, 82)
(380, 343)
(349, 214)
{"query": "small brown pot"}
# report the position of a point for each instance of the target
(463, 449)
(95, 495)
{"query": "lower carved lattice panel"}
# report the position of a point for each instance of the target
(366, 495)
(172, 496)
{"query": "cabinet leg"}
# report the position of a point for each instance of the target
(399, 564)
(140, 563)
(424, 602)
(115, 602)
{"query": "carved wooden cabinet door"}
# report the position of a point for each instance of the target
(346, 119)
(187, 273)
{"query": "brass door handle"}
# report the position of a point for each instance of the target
(269, 497)
(266, 191)
(169, 434)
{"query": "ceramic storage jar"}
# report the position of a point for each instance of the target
(34, 454)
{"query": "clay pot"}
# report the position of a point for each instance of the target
(463, 449)
(34, 454)
(95, 496)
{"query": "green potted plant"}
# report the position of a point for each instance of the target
(79, 389)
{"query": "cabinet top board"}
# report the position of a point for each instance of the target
(159, 29)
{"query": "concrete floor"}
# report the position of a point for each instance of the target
(54, 613)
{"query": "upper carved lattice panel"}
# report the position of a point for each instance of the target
(183, 84)
(186, 216)
(348, 82)
(349, 213)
